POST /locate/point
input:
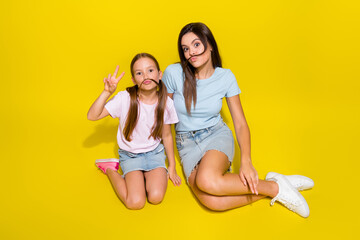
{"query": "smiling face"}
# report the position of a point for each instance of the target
(193, 50)
(143, 70)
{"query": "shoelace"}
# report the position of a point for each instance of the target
(287, 202)
(290, 204)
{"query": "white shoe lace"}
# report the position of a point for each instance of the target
(289, 203)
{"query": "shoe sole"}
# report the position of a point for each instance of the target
(107, 160)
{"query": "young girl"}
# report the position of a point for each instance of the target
(145, 113)
(205, 144)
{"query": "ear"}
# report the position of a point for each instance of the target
(132, 79)
(160, 74)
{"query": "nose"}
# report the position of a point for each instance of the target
(192, 52)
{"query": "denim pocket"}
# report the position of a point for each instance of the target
(179, 144)
(159, 148)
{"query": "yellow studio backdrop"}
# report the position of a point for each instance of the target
(296, 62)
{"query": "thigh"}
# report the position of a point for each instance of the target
(156, 180)
(213, 163)
(135, 184)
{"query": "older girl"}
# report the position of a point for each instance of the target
(206, 146)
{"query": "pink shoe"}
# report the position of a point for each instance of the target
(111, 163)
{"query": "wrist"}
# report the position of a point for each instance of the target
(246, 161)
(107, 92)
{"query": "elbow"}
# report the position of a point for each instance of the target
(243, 127)
(166, 136)
(91, 118)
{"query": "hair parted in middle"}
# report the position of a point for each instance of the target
(206, 37)
(132, 117)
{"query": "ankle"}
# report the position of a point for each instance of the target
(109, 171)
(275, 189)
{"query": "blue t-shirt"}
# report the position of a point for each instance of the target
(210, 93)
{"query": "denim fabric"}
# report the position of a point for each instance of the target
(193, 145)
(142, 161)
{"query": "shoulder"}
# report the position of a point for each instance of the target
(173, 77)
(225, 75)
(169, 102)
(174, 69)
(224, 72)
(122, 94)
(120, 97)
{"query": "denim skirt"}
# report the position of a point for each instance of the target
(193, 145)
(142, 161)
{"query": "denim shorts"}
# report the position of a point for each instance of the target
(193, 145)
(142, 161)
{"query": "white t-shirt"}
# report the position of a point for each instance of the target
(118, 107)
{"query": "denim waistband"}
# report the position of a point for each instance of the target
(208, 129)
(158, 149)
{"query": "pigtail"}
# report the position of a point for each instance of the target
(132, 116)
(156, 132)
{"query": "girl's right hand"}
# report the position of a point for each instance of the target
(176, 180)
(112, 81)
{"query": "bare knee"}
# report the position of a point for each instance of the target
(208, 183)
(135, 203)
(155, 196)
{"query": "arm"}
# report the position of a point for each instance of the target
(247, 172)
(97, 110)
(169, 149)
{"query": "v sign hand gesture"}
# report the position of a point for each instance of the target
(112, 81)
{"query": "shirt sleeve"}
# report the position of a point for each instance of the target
(169, 79)
(233, 87)
(170, 116)
(113, 106)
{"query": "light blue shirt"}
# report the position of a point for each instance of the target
(210, 93)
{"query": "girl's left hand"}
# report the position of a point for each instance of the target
(176, 180)
(248, 175)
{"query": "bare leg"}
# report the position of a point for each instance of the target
(220, 203)
(130, 190)
(212, 177)
(156, 184)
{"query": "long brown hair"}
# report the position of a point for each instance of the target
(132, 117)
(205, 36)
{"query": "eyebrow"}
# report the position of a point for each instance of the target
(151, 66)
(192, 41)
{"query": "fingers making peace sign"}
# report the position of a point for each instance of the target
(111, 81)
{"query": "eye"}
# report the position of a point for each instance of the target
(197, 44)
(151, 70)
(185, 49)
(138, 73)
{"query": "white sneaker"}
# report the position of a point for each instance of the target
(289, 196)
(297, 181)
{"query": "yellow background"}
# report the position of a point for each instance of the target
(296, 62)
